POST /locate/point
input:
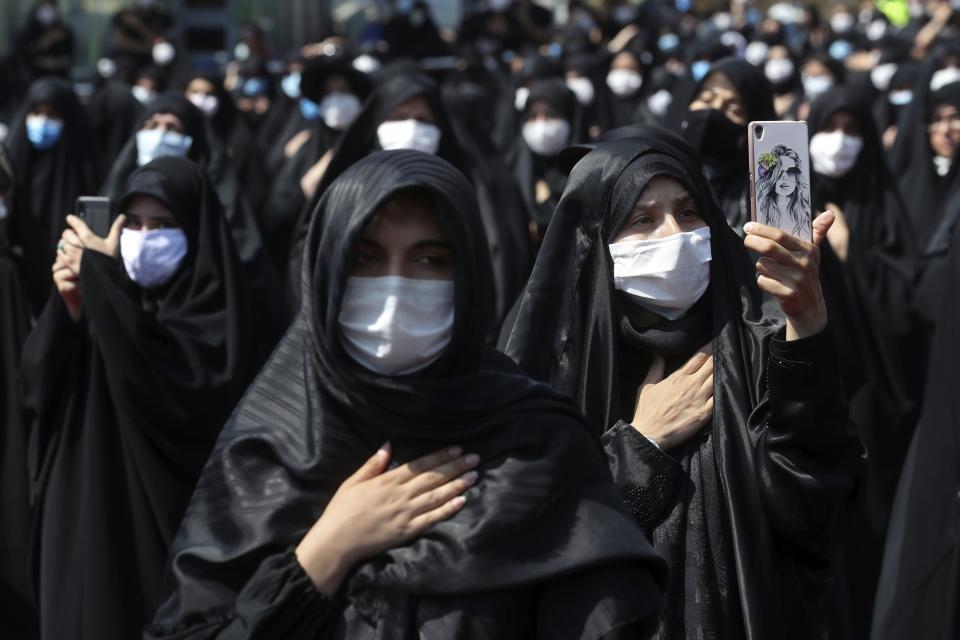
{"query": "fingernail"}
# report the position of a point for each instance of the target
(453, 452)
(384, 448)
(472, 459)
(470, 477)
(748, 227)
(459, 501)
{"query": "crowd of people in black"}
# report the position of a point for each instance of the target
(432, 333)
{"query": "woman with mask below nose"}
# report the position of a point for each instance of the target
(550, 122)
(406, 112)
(522, 537)
(129, 375)
(727, 434)
(331, 99)
(52, 147)
(732, 94)
(868, 285)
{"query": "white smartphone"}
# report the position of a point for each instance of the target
(780, 177)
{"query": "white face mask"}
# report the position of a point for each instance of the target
(546, 137)
(624, 82)
(143, 95)
(834, 154)
(778, 69)
(394, 326)
(47, 14)
(291, 85)
(209, 104)
(943, 77)
(881, 74)
(665, 275)
(901, 98)
(339, 110)
(409, 134)
(659, 102)
(520, 98)
(816, 86)
(155, 143)
(163, 53)
(152, 257)
(756, 53)
(583, 89)
(841, 22)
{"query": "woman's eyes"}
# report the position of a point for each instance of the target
(690, 214)
(434, 260)
(643, 220)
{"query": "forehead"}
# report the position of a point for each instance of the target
(405, 211)
(202, 85)
(145, 205)
(663, 189)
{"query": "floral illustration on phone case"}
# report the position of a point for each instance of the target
(782, 199)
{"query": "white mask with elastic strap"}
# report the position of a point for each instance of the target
(409, 134)
(546, 137)
(665, 275)
(393, 325)
(834, 154)
(152, 257)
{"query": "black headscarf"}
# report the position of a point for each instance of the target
(126, 404)
(114, 113)
(918, 590)
(529, 167)
(49, 182)
(16, 588)
(314, 415)
(722, 144)
(924, 192)
(570, 332)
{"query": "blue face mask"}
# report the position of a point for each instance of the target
(43, 132)
(840, 50)
(291, 85)
(699, 69)
(255, 87)
(668, 42)
(309, 109)
(154, 143)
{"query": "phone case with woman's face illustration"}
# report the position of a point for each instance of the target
(780, 176)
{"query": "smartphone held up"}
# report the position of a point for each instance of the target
(780, 177)
(95, 212)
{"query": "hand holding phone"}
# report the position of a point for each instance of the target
(95, 212)
(780, 176)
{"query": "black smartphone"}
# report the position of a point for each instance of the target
(96, 213)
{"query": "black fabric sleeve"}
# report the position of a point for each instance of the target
(809, 454)
(648, 478)
(278, 601)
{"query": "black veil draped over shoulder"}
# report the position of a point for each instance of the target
(748, 548)
(544, 518)
(126, 404)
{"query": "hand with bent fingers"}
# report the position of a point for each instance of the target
(789, 269)
(66, 268)
(375, 510)
(672, 410)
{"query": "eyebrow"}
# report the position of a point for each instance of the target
(432, 244)
(686, 197)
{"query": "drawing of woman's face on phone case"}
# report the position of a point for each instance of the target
(782, 190)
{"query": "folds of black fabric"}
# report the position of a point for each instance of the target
(868, 297)
(776, 472)
(126, 405)
(49, 182)
(544, 524)
(911, 158)
(500, 206)
(918, 591)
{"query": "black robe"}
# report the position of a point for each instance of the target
(17, 601)
(725, 165)
(747, 511)
(543, 547)
(114, 114)
(126, 404)
(911, 159)
(918, 592)
(49, 182)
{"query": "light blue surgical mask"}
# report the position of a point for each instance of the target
(156, 143)
(699, 69)
(291, 85)
(43, 132)
(840, 50)
(309, 109)
(668, 42)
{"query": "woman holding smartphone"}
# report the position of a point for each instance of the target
(726, 431)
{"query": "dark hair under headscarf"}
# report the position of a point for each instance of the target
(314, 415)
(150, 375)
